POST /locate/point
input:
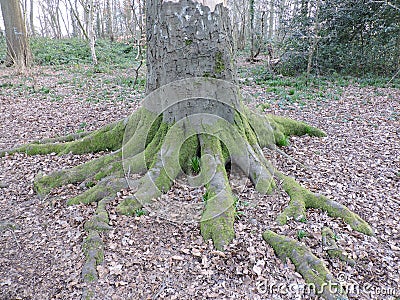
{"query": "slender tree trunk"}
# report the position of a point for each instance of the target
(18, 51)
(271, 20)
(251, 12)
(31, 22)
(91, 34)
(314, 39)
(109, 21)
(304, 8)
(65, 22)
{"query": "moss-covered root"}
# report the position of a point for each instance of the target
(99, 221)
(107, 187)
(330, 246)
(107, 138)
(219, 214)
(93, 245)
(155, 182)
(93, 249)
(260, 172)
(312, 269)
(301, 199)
(274, 130)
(95, 170)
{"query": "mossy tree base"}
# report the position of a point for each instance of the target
(152, 152)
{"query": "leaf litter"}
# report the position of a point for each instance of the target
(357, 164)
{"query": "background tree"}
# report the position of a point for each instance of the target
(18, 51)
(90, 10)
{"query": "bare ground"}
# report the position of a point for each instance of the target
(358, 164)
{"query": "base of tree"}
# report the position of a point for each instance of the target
(160, 159)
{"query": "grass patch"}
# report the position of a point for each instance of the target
(52, 52)
(286, 91)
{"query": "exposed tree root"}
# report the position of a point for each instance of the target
(107, 138)
(330, 246)
(301, 199)
(312, 269)
(219, 214)
(147, 145)
(91, 171)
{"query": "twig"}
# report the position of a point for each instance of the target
(160, 290)
(15, 239)
(291, 158)
(391, 79)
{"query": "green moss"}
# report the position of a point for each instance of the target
(90, 184)
(108, 138)
(154, 128)
(163, 181)
(44, 184)
(93, 247)
(155, 145)
(135, 164)
(219, 66)
(262, 129)
(105, 188)
(98, 222)
(129, 206)
(290, 127)
(280, 139)
(219, 214)
(225, 152)
(308, 265)
(330, 246)
(89, 277)
(135, 141)
(188, 42)
(188, 150)
(88, 294)
(107, 164)
(301, 198)
(114, 168)
(220, 229)
(265, 185)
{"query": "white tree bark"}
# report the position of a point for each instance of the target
(91, 35)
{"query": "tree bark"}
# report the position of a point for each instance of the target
(32, 25)
(314, 39)
(109, 21)
(91, 34)
(251, 12)
(18, 51)
(271, 20)
(181, 47)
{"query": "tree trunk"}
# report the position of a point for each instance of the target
(181, 47)
(109, 21)
(314, 39)
(32, 25)
(271, 20)
(251, 12)
(91, 33)
(18, 51)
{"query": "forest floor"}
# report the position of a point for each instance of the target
(357, 164)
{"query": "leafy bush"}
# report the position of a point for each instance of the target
(356, 38)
